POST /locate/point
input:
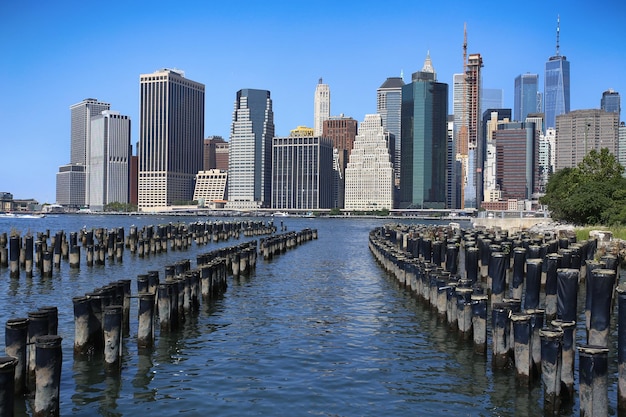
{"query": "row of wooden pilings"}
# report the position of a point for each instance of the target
(530, 285)
(275, 245)
(45, 252)
(102, 320)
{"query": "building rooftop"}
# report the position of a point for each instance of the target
(393, 82)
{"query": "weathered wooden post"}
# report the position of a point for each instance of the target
(16, 336)
(479, 322)
(551, 369)
(14, 256)
(567, 293)
(567, 356)
(593, 365)
(533, 283)
(49, 358)
(112, 338)
(28, 255)
(601, 301)
(7, 385)
(522, 349)
(145, 332)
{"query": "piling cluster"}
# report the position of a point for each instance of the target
(524, 289)
(275, 245)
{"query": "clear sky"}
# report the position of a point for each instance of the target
(55, 54)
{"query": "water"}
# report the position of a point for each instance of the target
(319, 330)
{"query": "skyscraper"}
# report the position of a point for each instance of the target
(611, 101)
(525, 96)
(424, 140)
(109, 158)
(171, 132)
(81, 114)
(321, 106)
(302, 169)
(491, 98)
(516, 160)
(486, 178)
(369, 175)
(342, 131)
(215, 154)
(556, 85)
(475, 146)
(250, 150)
(389, 106)
(580, 131)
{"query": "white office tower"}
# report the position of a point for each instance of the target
(250, 151)
(171, 138)
(369, 175)
(109, 160)
(322, 107)
(81, 114)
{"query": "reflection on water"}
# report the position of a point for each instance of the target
(318, 330)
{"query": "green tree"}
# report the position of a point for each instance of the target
(592, 193)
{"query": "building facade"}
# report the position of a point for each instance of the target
(516, 160)
(250, 150)
(611, 101)
(210, 187)
(215, 153)
(580, 131)
(556, 93)
(81, 114)
(171, 132)
(389, 106)
(621, 146)
(526, 96)
(108, 167)
(491, 98)
(487, 173)
(302, 169)
(424, 140)
(70, 186)
(369, 174)
(321, 103)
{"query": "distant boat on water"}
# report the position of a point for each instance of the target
(280, 214)
(21, 216)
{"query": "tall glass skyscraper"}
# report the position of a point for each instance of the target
(525, 97)
(611, 101)
(556, 85)
(250, 150)
(424, 141)
(388, 105)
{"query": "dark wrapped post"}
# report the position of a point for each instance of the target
(464, 310)
(590, 267)
(533, 283)
(500, 326)
(519, 268)
(15, 336)
(536, 324)
(602, 294)
(81, 324)
(7, 385)
(164, 306)
(621, 350)
(522, 349)
(567, 292)
(112, 337)
(49, 358)
(553, 263)
(471, 264)
(28, 255)
(14, 256)
(497, 273)
(145, 331)
(479, 322)
(551, 369)
(452, 258)
(37, 326)
(567, 356)
(593, 364)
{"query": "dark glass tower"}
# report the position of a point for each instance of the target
(556, 85)
(424, 141)
(525, 96)
(610, 101)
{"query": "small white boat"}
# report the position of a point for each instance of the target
(21, 216)
(280, 214)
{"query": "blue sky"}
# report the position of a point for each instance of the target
(54, 54)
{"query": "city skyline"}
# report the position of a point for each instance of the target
(49, 64)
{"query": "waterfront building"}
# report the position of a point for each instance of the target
(516, 160)
(389, 106)
(108, 161)
(453, 170)
(81, 114)
(302, 170)
(526, 96)
(210, 187)
(611, 101)
(70, 186)
(486, 177)
(556, 85)
(580, 131)
(369, 174)
(133, 186)
(250, 150)
(171, 132)
(342, 131)
(321, 103)
(491, 98)
(215, 153)
(424, 140)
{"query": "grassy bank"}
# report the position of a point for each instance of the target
(583, 232)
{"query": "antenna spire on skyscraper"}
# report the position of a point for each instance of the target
(558, 24)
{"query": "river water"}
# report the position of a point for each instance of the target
(320, 330)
